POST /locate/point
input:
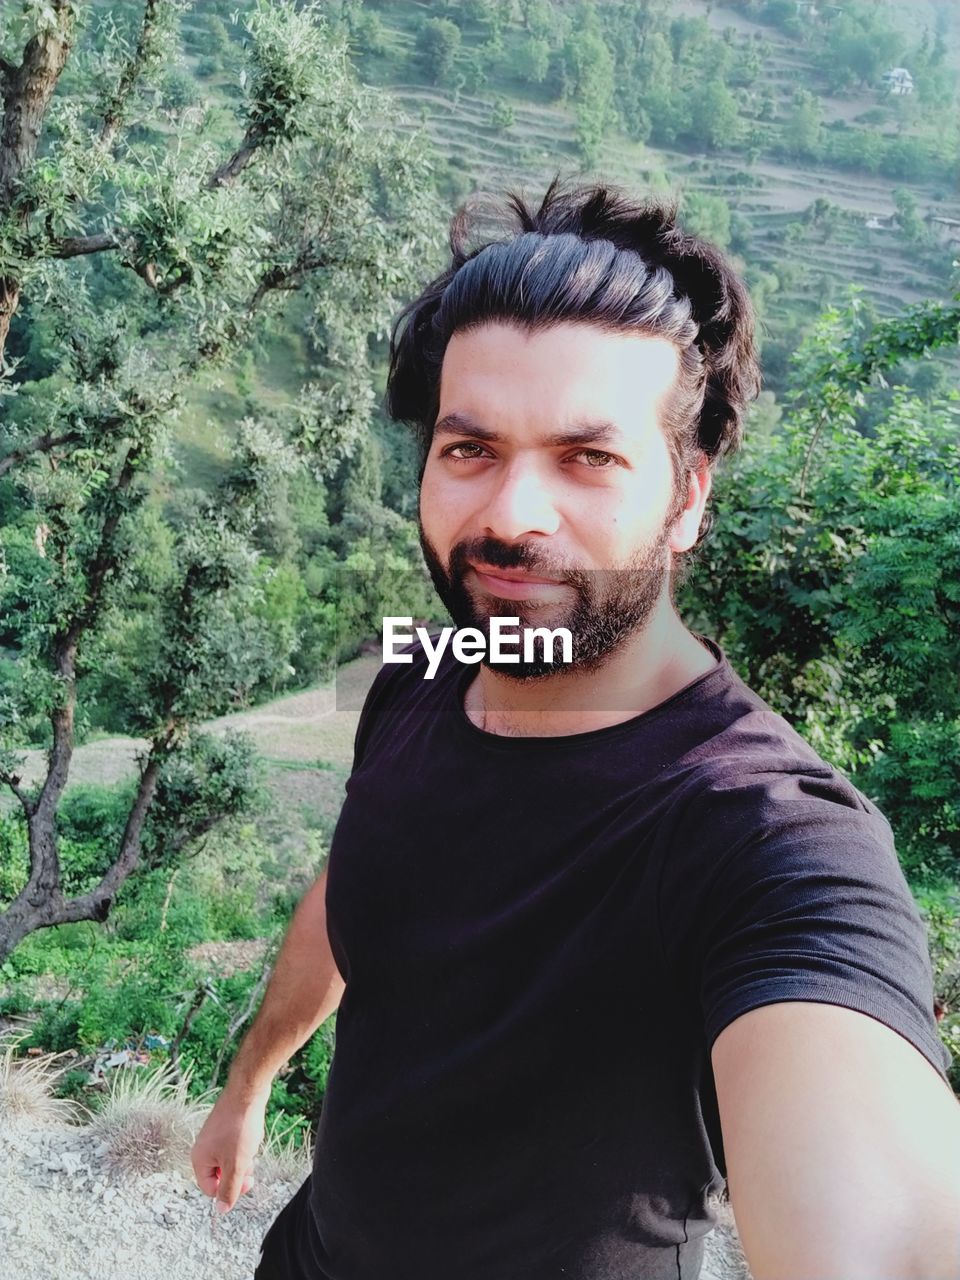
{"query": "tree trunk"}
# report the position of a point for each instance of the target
(41, 904)
(26, 91)
(9, 297)
(29, 911)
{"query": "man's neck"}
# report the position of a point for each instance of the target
(651, 667)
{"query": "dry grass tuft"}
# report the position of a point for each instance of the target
(148, 1121)
(27, 1088)
(281, 1158)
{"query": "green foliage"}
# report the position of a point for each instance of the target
(209, 778)
(714, 115)
(832, 579)
(536, 59)
(14, 855)
(939, 904)
(502, 117)
(907, 215)
(707, 216)
(585, 74)
(803, 126)
(437, 46)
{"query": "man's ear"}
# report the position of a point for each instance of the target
(686, 526)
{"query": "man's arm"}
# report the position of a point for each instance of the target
(842, 1146)
(304, 989)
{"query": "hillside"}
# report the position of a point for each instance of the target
(810, 262)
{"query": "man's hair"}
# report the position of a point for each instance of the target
(592, 255)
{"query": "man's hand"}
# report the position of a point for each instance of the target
(226, 1146)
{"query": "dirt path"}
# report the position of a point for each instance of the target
(314, 726)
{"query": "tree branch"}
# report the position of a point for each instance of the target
(13, 782)
(96, 904)
(43, 850)
(284, 278)
(40, 444)
(240, 1019)
(196, 1004)
(146, 43)
(76, 246)
(26, 93)
(256, 136)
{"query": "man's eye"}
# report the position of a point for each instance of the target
(596, 458)
(459, 457)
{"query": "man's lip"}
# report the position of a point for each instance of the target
(514, 575)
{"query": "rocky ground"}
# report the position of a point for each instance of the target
(65, 1215)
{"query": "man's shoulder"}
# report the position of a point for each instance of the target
(755, 768)
(398, 687)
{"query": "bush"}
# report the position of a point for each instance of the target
(437, 46)
(503, 116)
(27, 1088)
(148, 1122)
(831, 578)
(939, 905)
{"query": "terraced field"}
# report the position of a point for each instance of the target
(768, 196)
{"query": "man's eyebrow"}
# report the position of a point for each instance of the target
(600, 432)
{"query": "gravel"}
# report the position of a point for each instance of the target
(66, 1215)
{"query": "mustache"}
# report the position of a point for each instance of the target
(500, 555)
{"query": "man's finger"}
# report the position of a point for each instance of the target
(208, 1179)
(228, 1193)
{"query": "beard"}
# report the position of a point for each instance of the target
(609, 606)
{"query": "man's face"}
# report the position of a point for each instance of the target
(548, 465)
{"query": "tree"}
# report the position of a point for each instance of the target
(503, 116)
(536, 58)
(438, 43)
(134, 260)
(715, 118)
(707, 216)
(907, 215)
(589, 74)
(825, 215)
(802, 127)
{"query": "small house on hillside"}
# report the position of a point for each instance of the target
(898, 81)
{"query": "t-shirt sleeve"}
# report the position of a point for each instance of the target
(380, 694)
(808, 901)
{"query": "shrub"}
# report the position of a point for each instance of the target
(27, 1088)
(148, 1121)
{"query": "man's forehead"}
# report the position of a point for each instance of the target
(568, 384)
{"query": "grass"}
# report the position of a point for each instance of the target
(148, 1122)
(284, 1158)
(27, 1088)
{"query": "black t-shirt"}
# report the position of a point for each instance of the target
(541, 939)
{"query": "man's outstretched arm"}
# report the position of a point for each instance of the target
(304, 989)
(842, 1145)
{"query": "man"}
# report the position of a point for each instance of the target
(606, 933)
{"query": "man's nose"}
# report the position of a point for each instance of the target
(523, 503)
